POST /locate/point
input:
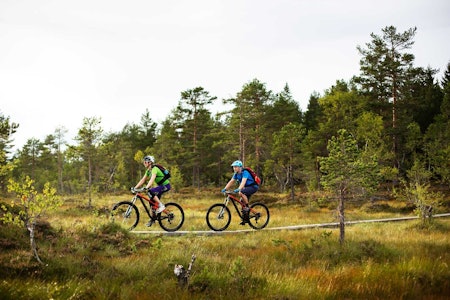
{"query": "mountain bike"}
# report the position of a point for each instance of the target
(218, 216)
(127, 213)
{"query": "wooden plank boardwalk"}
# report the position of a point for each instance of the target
(293, 227)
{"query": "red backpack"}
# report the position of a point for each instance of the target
(255, 176)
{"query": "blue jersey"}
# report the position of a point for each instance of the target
(244, 174)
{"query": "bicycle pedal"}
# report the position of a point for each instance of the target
(150, 223)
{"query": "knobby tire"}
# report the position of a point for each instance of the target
(125, 214)
(172, 218)
(259, 215)
(218, 217)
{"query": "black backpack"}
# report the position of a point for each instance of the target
(165, 172)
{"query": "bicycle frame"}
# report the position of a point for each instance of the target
(234, 200)
(152, 203)
(218, 216)
(170, 219)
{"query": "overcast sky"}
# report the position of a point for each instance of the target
(61, 61)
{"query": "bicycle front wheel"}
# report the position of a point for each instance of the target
(126, 214)
(258, 215)
(172, 218)
(218, 217)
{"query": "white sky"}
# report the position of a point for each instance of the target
(62, 60)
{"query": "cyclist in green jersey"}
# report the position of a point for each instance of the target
(155, 175)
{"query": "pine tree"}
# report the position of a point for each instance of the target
(386, 70)
(7, 129)
(193, 122)
(347, 172)
(89, 137)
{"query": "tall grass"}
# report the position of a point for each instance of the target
(88, 257)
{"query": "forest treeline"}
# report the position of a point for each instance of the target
(397, 113)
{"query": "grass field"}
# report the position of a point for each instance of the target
(88, 257)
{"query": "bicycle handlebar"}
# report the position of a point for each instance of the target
(229, 192)
(140, 190)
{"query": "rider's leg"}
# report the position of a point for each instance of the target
(244, 198)
(157, 194)
(156, 198)
(247, 192)
(153, 193)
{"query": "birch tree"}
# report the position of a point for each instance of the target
(32, 206)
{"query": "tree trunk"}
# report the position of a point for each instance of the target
(31, 226)
(394, 122)
(241, 134)
(291, 180)
(341, 218)
(60, 171)
(89, 181)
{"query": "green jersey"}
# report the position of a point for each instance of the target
(159, 175)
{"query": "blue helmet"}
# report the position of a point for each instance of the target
(237, 163)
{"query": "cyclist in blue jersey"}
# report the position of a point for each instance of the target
(247, 185)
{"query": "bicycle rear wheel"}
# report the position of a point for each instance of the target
(126, 214)
(258, 215)
(218, 217)
(172, 218)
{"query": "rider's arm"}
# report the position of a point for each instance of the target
(153, 173)
(230, 183)
(141, 182)
(150, 182)
(242, 185)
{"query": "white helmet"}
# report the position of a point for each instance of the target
(149, 158)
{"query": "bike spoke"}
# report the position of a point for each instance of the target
(172, 218)
(125, 214)
(218, 217)
(259, 216)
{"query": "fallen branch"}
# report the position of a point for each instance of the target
(183, 274)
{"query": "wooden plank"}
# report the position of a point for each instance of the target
(292, 227)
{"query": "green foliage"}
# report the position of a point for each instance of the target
(340, 108)
(72, 289)
(248, 123)
(417, 192)
(346, 170)
(284, 110)
(398, 91)
(176, 179)
(242, 279)
(193, 122)
(91, 258)
(89, 135)
(7, 129)
(393, 109)
(32, 205)
(322, 248)
(285, 151)
(437, 137)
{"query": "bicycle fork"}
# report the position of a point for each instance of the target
(130, 208)
(222, 209)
